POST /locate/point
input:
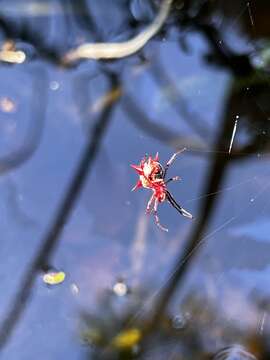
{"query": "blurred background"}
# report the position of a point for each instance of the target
(69, 131)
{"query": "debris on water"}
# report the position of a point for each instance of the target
(54, 278)
(91, 336)
(127, 339)
(7, 105)
(54, 85)
(120, 288)
(74, 289)
(180, 321)
(12, 56)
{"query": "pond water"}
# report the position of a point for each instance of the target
(201, 83)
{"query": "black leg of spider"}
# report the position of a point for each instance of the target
(172, 160)
(179, 208)
(175, 178)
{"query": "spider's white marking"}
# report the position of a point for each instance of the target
(147, 168)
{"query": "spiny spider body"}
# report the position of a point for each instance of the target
(152, 175)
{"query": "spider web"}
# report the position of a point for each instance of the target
(247, 208)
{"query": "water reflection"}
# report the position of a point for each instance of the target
(200, 330)
(202, 83)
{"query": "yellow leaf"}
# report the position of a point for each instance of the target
(54, 278)
(127, 338)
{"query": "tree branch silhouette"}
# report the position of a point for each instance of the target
(51, 239)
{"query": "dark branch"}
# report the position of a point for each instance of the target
(52, 238)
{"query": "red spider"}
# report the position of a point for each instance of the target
(152, 176)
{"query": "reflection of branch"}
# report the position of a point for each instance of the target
(213, 183)
(239, 65)
(178, 102)
(51, 239)
(138, 248)
(121, 49)
(169, 137)
(84, 20)
(138, 117)
(19, 214)
(38, 109)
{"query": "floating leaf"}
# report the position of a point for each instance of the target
(10, 56)
(54, 278)
(127, 338)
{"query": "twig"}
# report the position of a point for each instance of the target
(121, 49)
(31, 37)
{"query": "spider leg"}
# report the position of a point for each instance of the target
(175, 178)
(149, 207)
(172, 160)
(179, 208)
(157, 218)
